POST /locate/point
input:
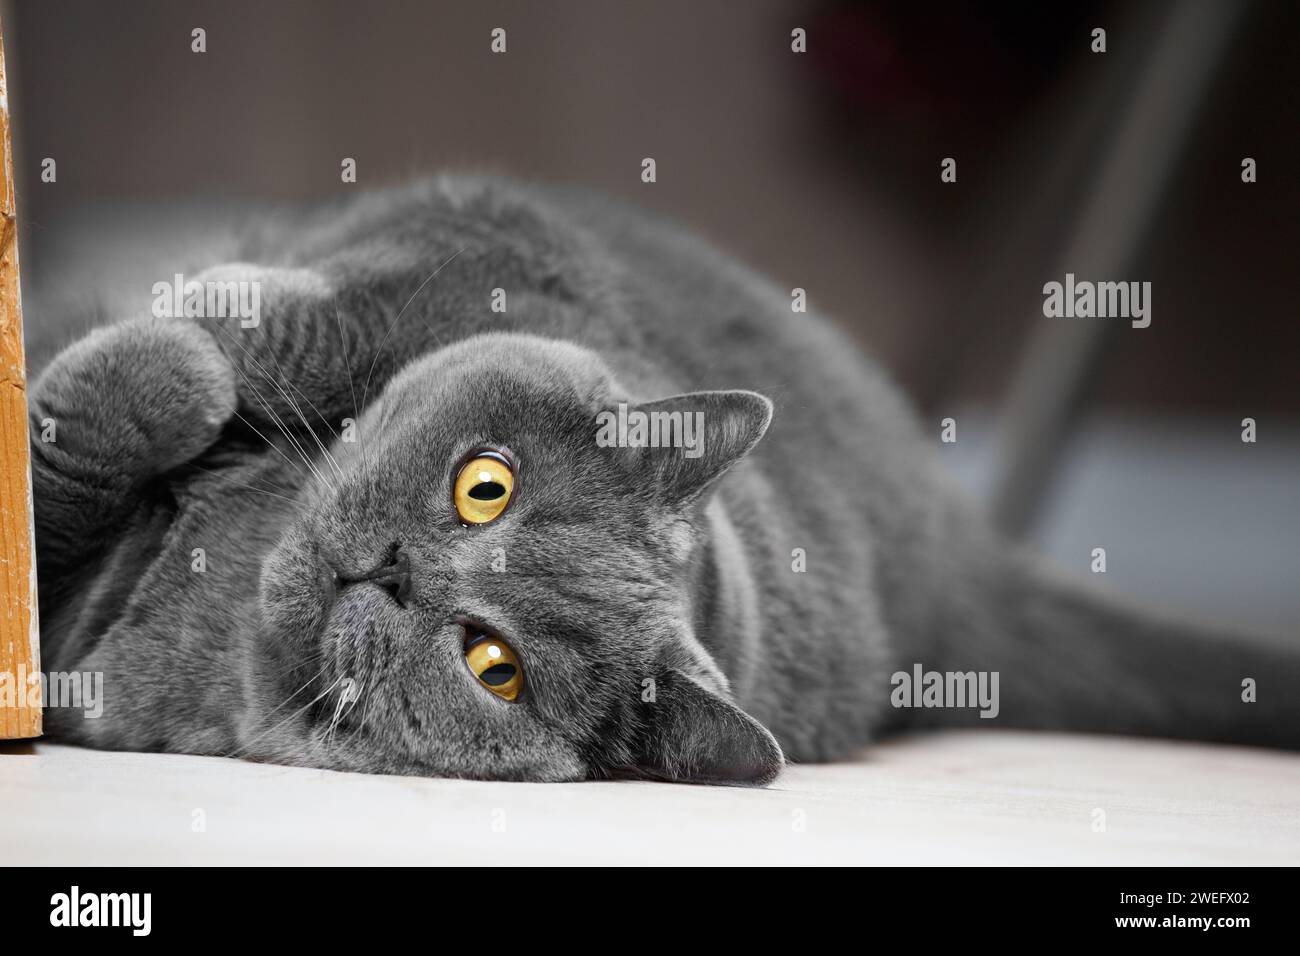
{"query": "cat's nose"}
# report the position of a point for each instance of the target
(393, 574)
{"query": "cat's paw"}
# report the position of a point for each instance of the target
(145, 395)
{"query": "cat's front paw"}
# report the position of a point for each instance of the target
(144, 395)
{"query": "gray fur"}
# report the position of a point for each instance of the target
(651, 597)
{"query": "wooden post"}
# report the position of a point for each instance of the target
(20, 703)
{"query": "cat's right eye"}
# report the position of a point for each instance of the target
(483, 488)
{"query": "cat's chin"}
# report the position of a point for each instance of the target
(313, 748)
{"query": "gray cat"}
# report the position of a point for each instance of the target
(390, 528)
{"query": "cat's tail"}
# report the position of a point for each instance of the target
(1070, 656)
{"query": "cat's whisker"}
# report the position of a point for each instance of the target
(274, 447)
(334, 721)
(241, 484)
(275, 417)
(284, 428)
(242, 751)
(293, 404)
(349, 700)
(297, 665)
(365, 392)
(356, 411)
(311, 680)
(294, 443)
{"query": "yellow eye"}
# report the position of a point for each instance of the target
(495, 665)
(483, 488)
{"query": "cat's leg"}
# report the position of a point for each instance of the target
(312, 347)
(133, 400)
(114, 410)
(290, 337)
(303, 344)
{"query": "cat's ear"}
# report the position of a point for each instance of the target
(681, 445)
(693, 735)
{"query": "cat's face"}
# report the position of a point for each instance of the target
(482, 588)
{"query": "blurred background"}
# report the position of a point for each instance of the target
(820, 169)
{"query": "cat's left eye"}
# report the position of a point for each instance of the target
(495, 665)
(483, 488)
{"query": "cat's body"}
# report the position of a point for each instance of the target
(642, 594)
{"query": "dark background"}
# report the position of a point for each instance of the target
(821, 170)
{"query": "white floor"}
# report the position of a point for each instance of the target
(961, 797)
